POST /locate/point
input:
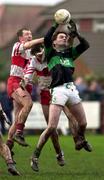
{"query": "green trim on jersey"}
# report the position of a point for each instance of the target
(47, 50)
(66, 62)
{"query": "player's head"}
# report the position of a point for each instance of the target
(24, 35)
(37, 50)
(60, 40)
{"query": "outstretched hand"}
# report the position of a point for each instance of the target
(72, 29)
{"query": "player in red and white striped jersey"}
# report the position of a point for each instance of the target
(43, 74)
(21, 98)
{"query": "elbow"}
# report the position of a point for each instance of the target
(47, 42)
(87, 46)
(47, 38)
(27, 45)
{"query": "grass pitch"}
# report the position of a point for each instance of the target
(80, 165)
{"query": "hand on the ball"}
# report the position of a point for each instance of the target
(72, 29)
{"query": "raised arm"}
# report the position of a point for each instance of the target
(48, 36)
(83, 46)
(83, 43)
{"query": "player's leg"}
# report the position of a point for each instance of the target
(23, 99)
(54, 114)
(12, 129)
(45, 98)
(74, 126)
(4, 118)
(10, 141)
(5, 153)
(54, 138)
(78, 111)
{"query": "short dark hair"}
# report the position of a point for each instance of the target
(56, 34)
(20, 31)
(36, 49)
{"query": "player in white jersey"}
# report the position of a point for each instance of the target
(21, 98)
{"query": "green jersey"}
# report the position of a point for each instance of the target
(61, 64)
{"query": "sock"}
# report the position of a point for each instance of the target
(36, 153)
(19, 128)
(10, 144)
(9, 161)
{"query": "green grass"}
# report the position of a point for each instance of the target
(80, 165)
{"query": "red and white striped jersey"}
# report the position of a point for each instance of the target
(41, 69)
(19, 58)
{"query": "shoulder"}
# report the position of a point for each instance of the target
(18, 46)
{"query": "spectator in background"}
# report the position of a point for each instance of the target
(81, 86)
(101, 84)
(6, 103)
(93, 92)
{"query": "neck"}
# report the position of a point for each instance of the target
(61, 48)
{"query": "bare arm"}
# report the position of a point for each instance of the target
(29, 44)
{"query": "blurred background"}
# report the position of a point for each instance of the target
(89, 74)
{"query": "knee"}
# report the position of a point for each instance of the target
(52, 129)
(83, 124)
(28, 105)
(54, 134)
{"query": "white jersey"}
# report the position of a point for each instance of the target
(44, 78)
(20, 57)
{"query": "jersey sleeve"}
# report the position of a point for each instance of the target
(75, 53)
(33, 65)
(18, 49)
(48, 39)
(80, 48)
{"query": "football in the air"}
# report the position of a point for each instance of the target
(62, 16)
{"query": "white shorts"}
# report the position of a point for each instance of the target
(66, 93)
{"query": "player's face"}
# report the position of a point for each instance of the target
(27, 36)
(40, 54)
(70, 41)
(61, 39)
